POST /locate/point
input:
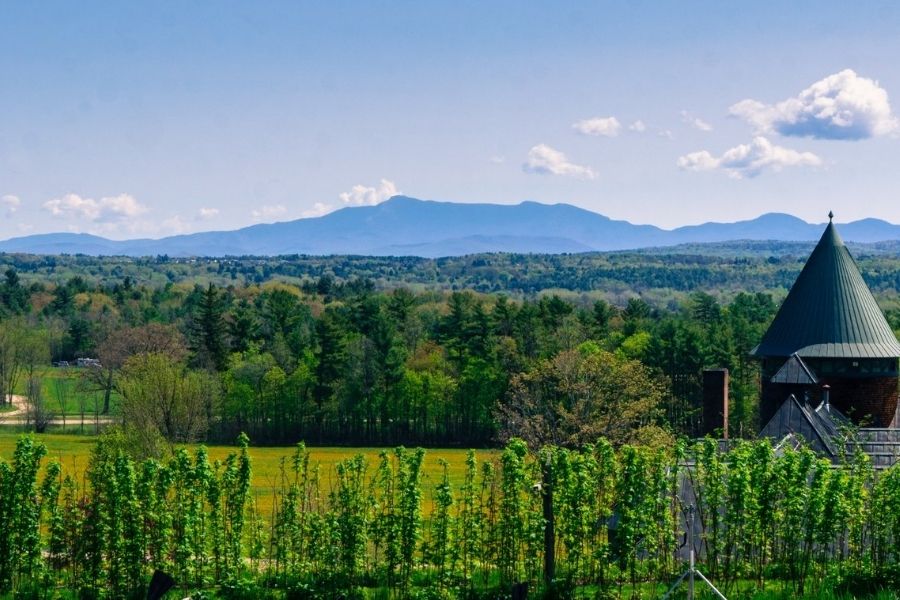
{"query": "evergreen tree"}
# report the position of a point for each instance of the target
(208, 331)
(602, 314)
(63, 302)
(12, 294)
(330, 355)
(243, 326)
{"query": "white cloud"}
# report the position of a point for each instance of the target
(598, 126)
(204, 214)
(110, 215)
(318, 209)
(11, 203)
(175, 225)
(268, 212)
(843, 106)
(544, 160)
(638, 126)
(498, 160)
(749, 160)
(665, 133)
(360, 195)
(695, 122)
(109, 210)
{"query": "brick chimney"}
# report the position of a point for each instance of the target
(715, 402)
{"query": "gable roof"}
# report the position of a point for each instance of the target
(820, 427)
(795, 372)
(830, 311)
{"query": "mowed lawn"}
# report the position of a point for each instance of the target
(67, 390)
(73, 453)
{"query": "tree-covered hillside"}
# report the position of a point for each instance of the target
(719, 269)
(382, 351)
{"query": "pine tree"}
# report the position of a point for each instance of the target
(330, 358)
(243, 326)
(12, 294)
(208, 331)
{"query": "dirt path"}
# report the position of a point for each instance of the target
(20, 408)
(19, 416)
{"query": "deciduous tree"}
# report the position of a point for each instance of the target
(162, 397)
(582, 395)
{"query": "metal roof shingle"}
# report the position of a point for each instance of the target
(830, 311)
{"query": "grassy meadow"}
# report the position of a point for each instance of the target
(73, 453)
(72, 450)
(66, 388)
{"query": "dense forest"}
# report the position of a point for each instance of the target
(344, 363)
(659, 275)
(315, 349)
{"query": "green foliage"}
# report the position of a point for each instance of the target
(788, 522)
(338, 350)
(20, 515)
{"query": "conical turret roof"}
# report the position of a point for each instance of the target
(830, 311)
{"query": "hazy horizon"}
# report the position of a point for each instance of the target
(150, 120)
(839, 222)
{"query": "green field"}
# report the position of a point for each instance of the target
(73, 453)
(68, 386)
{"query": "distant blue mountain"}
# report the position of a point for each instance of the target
(405, 226)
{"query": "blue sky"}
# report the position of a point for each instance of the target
(146, 119)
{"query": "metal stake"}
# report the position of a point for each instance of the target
(692, 568)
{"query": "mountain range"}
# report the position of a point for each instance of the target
(403, 226)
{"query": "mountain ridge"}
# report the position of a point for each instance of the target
(405, 226)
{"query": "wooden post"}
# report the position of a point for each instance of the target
(549, 523)
(715, 402)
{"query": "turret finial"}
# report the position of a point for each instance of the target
(830, 216)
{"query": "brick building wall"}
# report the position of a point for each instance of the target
(869, 401)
